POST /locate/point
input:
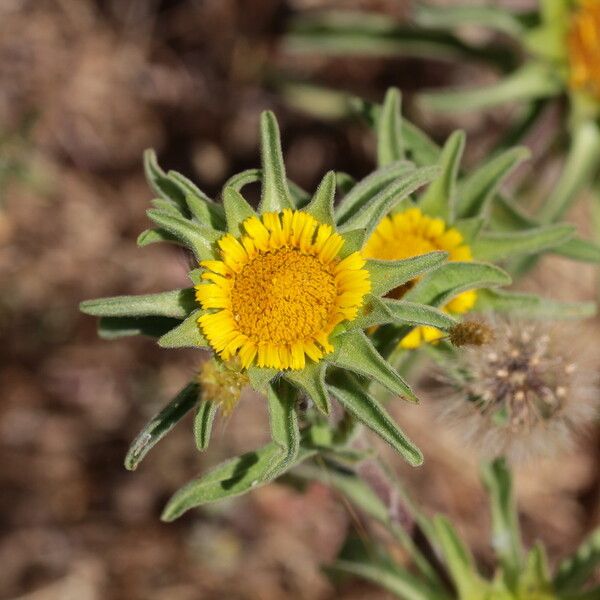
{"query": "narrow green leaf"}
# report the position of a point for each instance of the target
(469, 228)
(166, 206)
(387, 275)
(198, 238)
(311, 381)
(532, 306)
(232, 478)
(203, 422)
(275, 193)
(450, 279)
(476, 190)
(390, 197)
(575, 570)
(237, 210)
(389, 132)
(369, 187)
(579, 249)
(321, 205)
(161, 424)
(506, 536)
(530, 82)
(112, 328)
(344, 182)
(495, 246)
(366, 409)
(353, 242)
(241, 180)
(161, 184)
(176, 304)
(153, 236)
(186, 335)
(439, 198)
(421, 149)
(534, 579)
(355, 351)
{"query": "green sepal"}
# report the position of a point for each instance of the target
(506, 536)
(366, 409)
(112, 328)
(421, 149)
(311, 381)
(362, 193)
(198, 238)
(161, 184)
(321, 205)
(165, 206)
(389, 130)
(283, 420)
(353, 242)
(390, 197)
(441, 285)
(231, 478)
(186, 335)
(176, 304)
(156, 235)
(161, 424)
(203, 422)
(260, 377)
(383, 311)
(237, 210)
(495, 246)
(534, 580)
(532, 306)
(439, 198)
(241, 180)
(275, 192)
(477, 190)
(573, 572)
(530, 82)
(355, 351)
(387, 275)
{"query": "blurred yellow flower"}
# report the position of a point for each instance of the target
(584, 48)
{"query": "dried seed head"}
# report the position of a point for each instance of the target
(520, 397)
(222, 382)
(471, 333)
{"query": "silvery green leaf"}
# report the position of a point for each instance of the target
(439, 198)
(495, 246)
(203, 422)
(197, 237)
(260, 377)
(153, 236)
(283, 419)
(161, 184)
(469, 228)
(450, 279)
(111, 328)
(275, 192)
(387, 275)
(353, 242)
(237, 210)
(389, 132)
(578, 249)
(161, 424)
(166, 206)
(241, 180)
(476, 190)
(420, 148)
(321, 205)
(573, 572)
(232, 478)
(532, 306)
(366, 409)
(506, 536)
(489, 16)
(344, 182)
(382, 311)
(582, 164)
(391, 196)
(531, 82)
(176, 304)
(355, 352)
(186, 335)
(311, 381)
(367, 188)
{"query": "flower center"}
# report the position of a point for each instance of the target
(584, 48)
(283, 297)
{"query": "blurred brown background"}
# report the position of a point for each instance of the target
(85, 87)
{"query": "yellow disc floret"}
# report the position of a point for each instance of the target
(279, 290)
(411, 233)
(584, 48)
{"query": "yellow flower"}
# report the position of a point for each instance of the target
(279, 291)
(584, 48)
(411, 233)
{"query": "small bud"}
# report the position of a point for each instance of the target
(471, 333)
(222, 382)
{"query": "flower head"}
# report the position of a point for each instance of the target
(279, 290)
(520, 395)
(411, 233)
(583, 42)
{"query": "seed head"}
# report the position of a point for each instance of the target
(222, 382)
(471, 333)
